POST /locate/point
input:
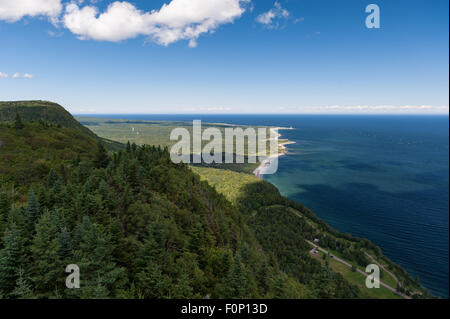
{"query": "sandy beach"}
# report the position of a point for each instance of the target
(265, 164)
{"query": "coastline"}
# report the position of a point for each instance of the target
(266, 163)
(282, 150)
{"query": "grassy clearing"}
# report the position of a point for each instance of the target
(384, 276)
(359, 280)
(226, 182)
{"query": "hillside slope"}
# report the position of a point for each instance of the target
(27, 155)
(35, 111)
(288, 229)
(140, 226)
(137, 225)
(50, 113)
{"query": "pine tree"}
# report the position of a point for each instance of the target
(63, 173)
(65, 245)
(11, 260)
(32, 212)
(182, 289)
(23, 288)
(52, 178)
(94, 255)
(16, 217)
(152, 248)
(278, 287)
(77, 160)
(262, 275)
(48, 271)
(5, 206)
(152, 282)
(103, 188)
(236, 283)
(101, 157)
(132, 175)
(18, 124)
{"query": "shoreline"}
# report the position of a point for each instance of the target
(282, 150)
(260, 170)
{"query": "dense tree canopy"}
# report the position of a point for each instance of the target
(139, 226)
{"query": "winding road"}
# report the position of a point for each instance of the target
(358, 270)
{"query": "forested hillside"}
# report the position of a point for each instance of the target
(139, 226)
(136, 224)
(47, 113)
(27, 154)
(40, 111)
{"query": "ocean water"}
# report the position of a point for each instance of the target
(385, 178)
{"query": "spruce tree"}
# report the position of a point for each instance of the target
(23, 289)
(65, 245)
(235, 285)
(182, 288)
(18, 124)
(101, 156)
(11, 260)
(93, 252)
(52, 178)
(48, 271)
(32, 212)
(152, 282)
(5, 206)
(278, 287)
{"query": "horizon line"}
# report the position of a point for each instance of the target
(273, 114)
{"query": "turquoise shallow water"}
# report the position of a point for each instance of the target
(380, 177)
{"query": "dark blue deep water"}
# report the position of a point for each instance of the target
(380, 177)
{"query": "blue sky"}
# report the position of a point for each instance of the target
(258, 56)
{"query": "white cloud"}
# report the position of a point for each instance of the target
(219, 109)
(14, 10)
(177, 20)
(369, 109)
(3, 75)
(22, 76)
(268, 18)
(55, 33)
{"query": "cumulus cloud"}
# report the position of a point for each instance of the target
(3, 75)
(269, 18)
(14, 10)
(177, 20)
